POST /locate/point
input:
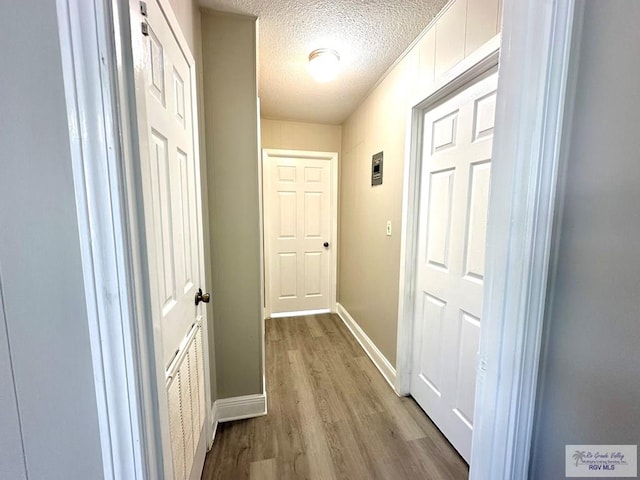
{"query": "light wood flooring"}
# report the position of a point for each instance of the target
(331, 415)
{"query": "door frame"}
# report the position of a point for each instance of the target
(102, 80)
(332, 157)
(479, 64)
(536, 75)
(107, 239)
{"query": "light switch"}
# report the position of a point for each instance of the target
(388, 228)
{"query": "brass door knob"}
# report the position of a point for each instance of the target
(202, 297)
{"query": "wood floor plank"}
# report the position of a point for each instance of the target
(349, 458)
(331, 405)
(291, 457)
(409, 429)
(349, 383)
(438, 463)
(331, 415)
(314, 326)
(317, 449)
(272, 334)
(263, 470)
(229, 457)
(264, 442)
(327, 324)
(384, 443)
(339, 357)
(288, 329)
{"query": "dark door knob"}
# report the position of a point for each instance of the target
(202, 297)
(326, 244)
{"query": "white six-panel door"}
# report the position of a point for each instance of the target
(171, 170)
(298, 221)
(171, 182)
(455, 180)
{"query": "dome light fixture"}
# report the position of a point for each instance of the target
(323, 64)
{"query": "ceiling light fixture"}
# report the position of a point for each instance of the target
(323, 64)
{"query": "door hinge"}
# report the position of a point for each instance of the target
(482, 367)
(145, 26)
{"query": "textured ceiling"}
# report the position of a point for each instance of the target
(369, 35)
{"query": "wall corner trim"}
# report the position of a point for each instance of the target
(215, 420)
(376, 356)
(238, 408)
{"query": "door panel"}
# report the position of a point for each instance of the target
(477, 220)
(313, 219)
(313, 271)
(439, 221)
(173, 218)
(297, 193)
(287, 287)
(173, 179)
(286, 226)
(454, 198)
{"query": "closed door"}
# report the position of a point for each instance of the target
(171, 182)
(298, 221)
(454, 195)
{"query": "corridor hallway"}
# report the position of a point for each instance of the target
(331, 415)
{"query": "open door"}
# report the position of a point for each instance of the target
(173, 230)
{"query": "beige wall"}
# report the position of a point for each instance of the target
(197, 53)
(369, 260)
(231, 136)
(301, 136)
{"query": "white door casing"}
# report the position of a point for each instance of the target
(455, 179)
(300, 217)
(173, 223)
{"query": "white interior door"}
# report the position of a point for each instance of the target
(172, 206)
(299, 219)
(454, 197)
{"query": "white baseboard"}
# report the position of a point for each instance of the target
(376, 356)
(236, 408)
(300, 313)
